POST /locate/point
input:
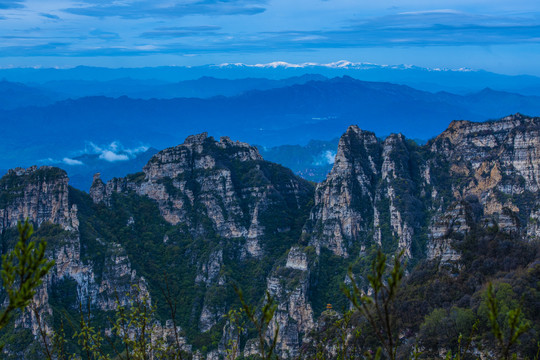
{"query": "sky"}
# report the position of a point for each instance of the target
(497, 35)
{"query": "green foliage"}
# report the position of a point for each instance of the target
(90, 340)
(22, 271)
(446, 328)
(236, 326)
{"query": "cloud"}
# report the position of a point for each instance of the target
(110, 156)
(114, 151)
(168, 9)
(325, 158)
(11, 4)
(72, 162)
(189, 28)
(174, 34)
(422, 28)
(66, 161)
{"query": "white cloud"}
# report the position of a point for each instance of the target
(114, 151)
(325, 158)
(110, 156)
(136, 150)
(69, 161)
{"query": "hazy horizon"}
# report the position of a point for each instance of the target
(276, 65)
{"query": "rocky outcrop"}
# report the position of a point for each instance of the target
(394, 194)
(229, 216)
(38, 194)
(397, 195)
(510, 145)
(452, 225)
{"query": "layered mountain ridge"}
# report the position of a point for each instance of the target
(213, 213)
(315, 109)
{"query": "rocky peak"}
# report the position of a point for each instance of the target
(393, 146)
(228, 181)
(363, 191)
(289, 286)
(198, 152)
(355, 150)
(374, 184)
(194, 140)
(339, 216)
(97, 190)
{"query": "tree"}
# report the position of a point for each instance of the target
(506, 336)
(23, 270)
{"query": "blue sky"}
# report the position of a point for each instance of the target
(496, 35)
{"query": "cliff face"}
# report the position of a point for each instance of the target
(39, 194)
(494, 165)
(343, 202)
(289, 284)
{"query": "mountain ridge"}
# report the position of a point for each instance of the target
(213, 213)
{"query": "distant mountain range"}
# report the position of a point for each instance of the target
(453, 80)
(292, 114)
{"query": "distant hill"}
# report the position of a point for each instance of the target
(289, 115)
